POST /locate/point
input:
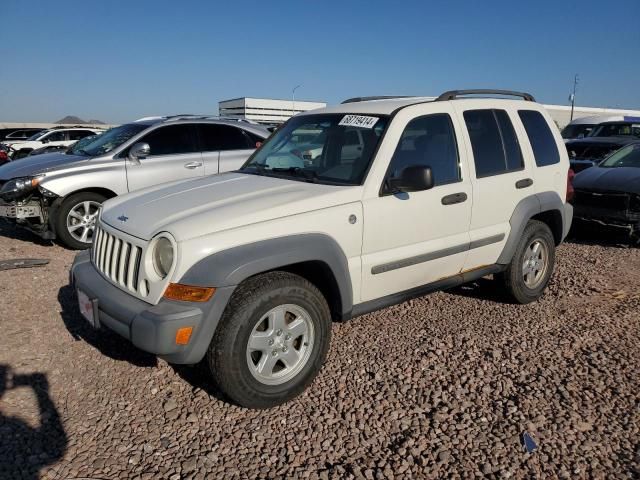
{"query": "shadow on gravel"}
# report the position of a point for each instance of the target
(24, 449)
(107, 342)
(582, 234)
(16, 233)
(482, 289)
(198, 377)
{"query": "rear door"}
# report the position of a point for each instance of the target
(224, 147)
(501, 174)
(174, 155)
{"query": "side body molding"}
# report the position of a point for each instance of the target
(526, 209)
(232, 266)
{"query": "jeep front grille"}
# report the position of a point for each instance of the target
(117, 259)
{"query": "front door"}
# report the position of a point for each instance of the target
(174, 155)
(412, 239)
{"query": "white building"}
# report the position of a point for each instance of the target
(265, 110)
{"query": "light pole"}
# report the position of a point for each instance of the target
(293, 99)
(572, 97)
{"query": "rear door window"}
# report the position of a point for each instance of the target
(215, 138)
(494, 141)
(543, 144)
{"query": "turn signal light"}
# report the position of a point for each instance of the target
(188, 293)
(183, 335)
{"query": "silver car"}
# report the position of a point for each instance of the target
(58, 195)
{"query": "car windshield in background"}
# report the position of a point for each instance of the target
(111, 139)
(78, 147)
(37, 135)
(628, 156)
(577, 131)
(616, 130)
(325, 148)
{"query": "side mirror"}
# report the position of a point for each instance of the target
(413, 178)
(139, 151)
(45, 140)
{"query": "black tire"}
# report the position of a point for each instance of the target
(60, 221)
(513, 277)
(228, 358)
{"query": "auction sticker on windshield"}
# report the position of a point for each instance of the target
(361, 121)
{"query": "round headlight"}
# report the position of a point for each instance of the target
(163, 256)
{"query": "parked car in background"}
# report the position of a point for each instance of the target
(627, 128)
(248, 269)
(58, 195)
(63, 148)
(609, 194)
(587, 152)
(53, 137)
(584, 126)
(15, 134)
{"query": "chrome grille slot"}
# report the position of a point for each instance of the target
(117, 259)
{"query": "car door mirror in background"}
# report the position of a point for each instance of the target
(413, 178)
(139, 151)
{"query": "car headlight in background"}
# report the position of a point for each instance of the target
(18, 187)
(163, 256)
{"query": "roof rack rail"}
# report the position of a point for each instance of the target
(453, 94)
(377, 97)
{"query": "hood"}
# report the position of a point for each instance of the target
(36, 164)
(621, 179)
(198, 207)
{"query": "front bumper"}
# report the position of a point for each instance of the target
(151, 328)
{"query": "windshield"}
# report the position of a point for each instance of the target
(320, 148)
(628, 156)
(110, 139)
(576, 131)
(616, 130)
(36, 136)
(79, 146)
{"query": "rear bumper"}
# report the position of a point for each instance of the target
(151, 328)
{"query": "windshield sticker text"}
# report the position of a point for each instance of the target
(361, 121)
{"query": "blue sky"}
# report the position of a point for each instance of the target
(118, 60)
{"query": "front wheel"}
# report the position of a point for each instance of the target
(76, 219)
(527, 275)
(272, 340)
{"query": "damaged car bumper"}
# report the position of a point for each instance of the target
(617, 210)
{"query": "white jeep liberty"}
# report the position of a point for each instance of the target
(248, 269)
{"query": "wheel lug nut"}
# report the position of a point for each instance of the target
(284, 349)
(274, 353)
(279, 332)
(271, 341)
(287, 336)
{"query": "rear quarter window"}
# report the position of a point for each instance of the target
(543, 144)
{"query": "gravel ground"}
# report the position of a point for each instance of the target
(444, 385)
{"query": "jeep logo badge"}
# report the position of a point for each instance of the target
(123, 218)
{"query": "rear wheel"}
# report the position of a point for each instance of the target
(527, 275)
(271, 341)
(76, 219)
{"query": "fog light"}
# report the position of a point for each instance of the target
(183, 335)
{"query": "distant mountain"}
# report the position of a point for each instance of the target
(72, 119)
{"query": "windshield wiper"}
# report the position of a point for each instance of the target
(308, 175)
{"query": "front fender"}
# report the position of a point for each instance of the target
(230, 267)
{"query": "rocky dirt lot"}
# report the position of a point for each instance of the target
(444, 385)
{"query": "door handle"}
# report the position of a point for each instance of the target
(192, 165)
(524, 183)
(454, 198)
